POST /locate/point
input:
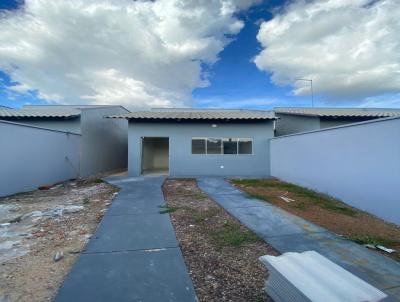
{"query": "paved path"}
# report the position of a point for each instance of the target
(134, 254)
(290, 233)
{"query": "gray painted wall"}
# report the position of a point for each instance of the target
(72, 125)
(183, 163)
(288, 124)
(30, 157)
(358, 163)
(104, 140)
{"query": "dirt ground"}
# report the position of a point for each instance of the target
(34, 226)
(221, 254)
(325, 211)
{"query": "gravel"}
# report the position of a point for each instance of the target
(221, 254)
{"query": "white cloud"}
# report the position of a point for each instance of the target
(135, 53)
(351, 49)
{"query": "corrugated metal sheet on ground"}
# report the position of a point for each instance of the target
(309, 276)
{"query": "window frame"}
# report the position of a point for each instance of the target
(205, 138)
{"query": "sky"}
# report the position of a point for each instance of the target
(216, 53)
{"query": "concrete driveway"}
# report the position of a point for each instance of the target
(134, 254)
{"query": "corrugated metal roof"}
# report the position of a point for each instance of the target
(199, 115)
(39, 112)
(340, 112)
(309, 276)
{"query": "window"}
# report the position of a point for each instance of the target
(219, 146)
(214, 145)
(230, 145)
(245, 146)
(198, 145)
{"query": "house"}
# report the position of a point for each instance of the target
(103, 144)
(195, 142)
(295, 120)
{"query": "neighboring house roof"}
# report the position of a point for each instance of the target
(340, 112)
(39, 112)
(193, 114)
(74, 106)
(49, 111)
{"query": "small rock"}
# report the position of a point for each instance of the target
(72, 209)
(16, 219)
(45, 187)
(58, 256)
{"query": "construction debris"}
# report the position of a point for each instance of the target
(41, 228)
(286, 199)
(326, 281)
(58, 256)
(385, 249)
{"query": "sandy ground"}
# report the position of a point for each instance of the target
(221, 254)
(34, 226)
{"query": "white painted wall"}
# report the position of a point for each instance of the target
(32, 156)
(358, 163)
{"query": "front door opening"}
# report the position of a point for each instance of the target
(155, 155)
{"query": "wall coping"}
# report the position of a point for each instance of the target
(40, 128)
(378, 120)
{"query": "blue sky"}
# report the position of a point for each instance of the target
(235, 81)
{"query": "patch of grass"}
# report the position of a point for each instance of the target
(202, 216)
(374, 240)
(98, 181)
(200, 196)
(167, 209)
(317, 198)
(230, 234)
(86, 200)
(256, 196)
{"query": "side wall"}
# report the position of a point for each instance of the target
(358, 163)
(288, 124)
(31, 156)
(183, 163)
(104, 140)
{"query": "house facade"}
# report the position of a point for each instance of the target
(297, 120)
(199, 142)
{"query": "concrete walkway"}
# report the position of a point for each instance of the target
(134, 254)
(289, 233)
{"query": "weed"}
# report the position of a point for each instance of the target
(201, 216)
(230, 234)
(86, 200)
(374, 240)
(200, 196)
(167, 209)
(98, 181)
(256, 196)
